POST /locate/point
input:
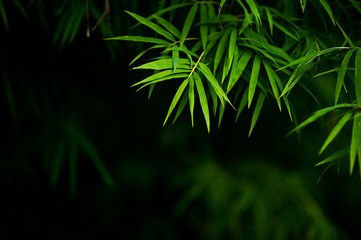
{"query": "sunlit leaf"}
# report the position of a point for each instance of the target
(145, 51)
(188, 24)
(175, 57)
(341, 74)
(168, 26)
(152, 25)
(339, 154)
(202, 99)
(169, 77)
(336, 130)
(140, 39)
(254, 79)
(160, 75)
(176, 99)
(181, 107)
(191, 97)
(257, 111)
(252, 5)
(162, 64)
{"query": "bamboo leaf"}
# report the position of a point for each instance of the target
(210, 77)
(221, 49)
(358, 76)
(220, 6)
(175, 57)
(256, 112)
(191, 97)
(328, 9)
(139, 39)
(271, 73)
(160, 75)
(355, 141)
(162, 64)
(170, 77)
(202, 99)
(321, 113)
(204, 27)
(252, 5)
(232, 49)
(336, 130)
(356, 5)
(167, 25)
(341, 74)
(254, 79)
(243, 103)
(176, 99)
(270, 20)
(303, 5)
(347, 37)
(339, 154)
(145, 51)
(3, 15)
(181, 107)
(188, 24)
(284, 30)
(152, 26)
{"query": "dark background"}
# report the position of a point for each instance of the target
(77, 93)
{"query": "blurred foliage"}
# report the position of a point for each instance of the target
(82, 155)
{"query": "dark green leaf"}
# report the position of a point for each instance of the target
(139, 39)
(256, 112)
(188, 24)
(341, 74)
(358, 76)
(167, 25)
(254, 78)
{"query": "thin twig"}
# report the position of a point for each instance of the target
(106, 12)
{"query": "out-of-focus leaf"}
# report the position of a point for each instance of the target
(254, 79)
(9, 96)
(256, 112)
(336, 130)
(204, 27)
(253, 6)
(243, 103)
(172, 7)
(303, 4)
(140, 39)
(188, 24)
(176, 99)
(21, 8)
(221, 6)
(73, 164)
(202, 99)
(339, 154)
(152, 25)
(3, 15)
(358, 76)
(57, 162)
(355, 141)
(356, 5)
(341, 74)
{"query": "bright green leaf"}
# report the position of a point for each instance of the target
(176, 99)
(162, 64)
(254, 78)
(167, 25)
(358, 76)
(204, 27)
(328, 9)
(256, 112)
(221, 49)
(139, 39)
(341, 74)
(188, 24)
(271, 77)
(191, 97)
(202, 99)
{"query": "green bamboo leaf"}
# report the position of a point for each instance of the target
(3, 15)
(285, 99)
(356, 5)
(254, 79)
(175, 57)
(232, 47)
(171, 8)
(303, 4)
(327, 72)
(188, 24)
(160, 75)
(210, 77)
(252, 5)
(355, 141)
(316, 115)
(339, 154)
(182, 49)
(211, 14)
(191, 97)
(220, 6)
(202, 99)
(21, 8)
(181, 107)
(220, 115)
(145, 51)
(335, 131)
(214, 98)
(332, 163)
(162, 64)
(168, 26)
(347, 37)
(328, 9)
(264, 53)
(358, 76)
(256, 112)
(221, 49)
(152, 26)
(176, 99)
(271, 73)
(341, 74)
(243, 103)
(170, 77)
(284, 30)
(270, 20)
(139, 39)
(204, 27)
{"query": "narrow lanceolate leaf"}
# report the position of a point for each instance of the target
(3, 15)
(328, 9)
(221, 49)
(238, 70)
(356, 5)
(217, 88)
(170, 77)
(271, 76)
(242, 104)
(355, 141)
(145, 51)
(254, 79)
(270, 20)
(256, 112)
(321, 113)
(167, 25)
(341, 74)
(165, 64)
(202, 99)
(347, 37)
(232, 48)
(221, 6)
(204, 27)
(160, 75)
(284, 30)
(181, 107)
(358, 76)
(152, 25)
(303, 5)
(191, 97)
(175, 57)
(176, 99)
(188, 24)
(140, 39)
(339, 154)
(252, 5)
(336, 130)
